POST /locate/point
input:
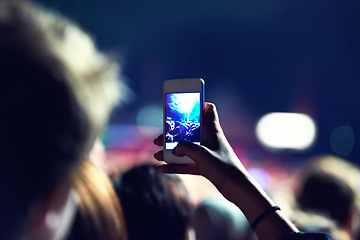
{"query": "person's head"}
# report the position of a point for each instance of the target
(322, 191)
(217, 218)
(99, 214)
(156, 205)
(56, 93)
(327, 194)
(312, 222)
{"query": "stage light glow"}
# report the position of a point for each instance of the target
(185, 103)
(150, 116)
(261, 176)
(294, 131)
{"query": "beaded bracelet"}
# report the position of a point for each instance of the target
(263, 215)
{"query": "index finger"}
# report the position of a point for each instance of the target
(159, 140)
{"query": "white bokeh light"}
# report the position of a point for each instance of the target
(286, 131)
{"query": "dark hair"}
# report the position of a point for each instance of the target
(156, 205)
(326, 194)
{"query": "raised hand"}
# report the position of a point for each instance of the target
(216, 161)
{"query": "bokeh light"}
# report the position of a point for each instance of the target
(261, 176)
(150, 116)
(286, 131)
(342, 140)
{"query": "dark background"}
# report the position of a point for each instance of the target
(255, 57)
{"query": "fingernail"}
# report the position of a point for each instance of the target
(173, 151)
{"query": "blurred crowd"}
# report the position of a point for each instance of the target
(58, 91)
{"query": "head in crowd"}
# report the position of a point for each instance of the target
(156, 205)
(99, 214)
(324, 189)
(217, 218)
(312, 222)
(56, 94)
(337, 166)
(327, 194)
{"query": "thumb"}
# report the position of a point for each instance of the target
(194, 151)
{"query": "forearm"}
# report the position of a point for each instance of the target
(241, 189)
(216, 161)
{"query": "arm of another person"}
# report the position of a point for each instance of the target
(217, 161)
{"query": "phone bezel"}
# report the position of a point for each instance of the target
(186, 85)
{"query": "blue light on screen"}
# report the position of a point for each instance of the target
(182, 118)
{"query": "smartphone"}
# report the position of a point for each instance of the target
(183, 115)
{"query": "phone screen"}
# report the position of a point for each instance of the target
(182, 118)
